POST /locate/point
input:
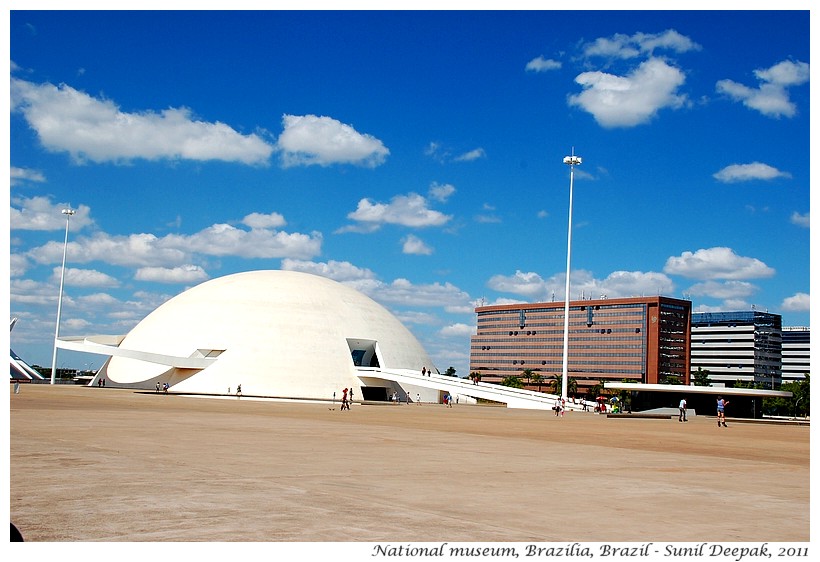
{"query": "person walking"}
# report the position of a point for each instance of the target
(345, 405)
(721, 411)
(682, 409)
(239, 391)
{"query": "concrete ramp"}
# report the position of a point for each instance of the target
(512, 397)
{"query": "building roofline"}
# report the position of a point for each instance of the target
(691, 389)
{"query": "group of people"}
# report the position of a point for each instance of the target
(101, 382)
(164, 387)
(448, 400)
(560, 406)
(721, 411)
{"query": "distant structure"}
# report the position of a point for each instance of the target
(738, 346)
(20, 370)
(281, 334)
(796, 353)
(640, 339)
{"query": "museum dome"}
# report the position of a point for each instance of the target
(277, 333)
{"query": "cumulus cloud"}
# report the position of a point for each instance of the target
(626, 101)
(84, 278)
(540, 64)
(716, 263)
(68, 120)
(398, 292)
(406, 210)
(725, 290)
(39, 213)
(258, 220)
(441, 191)
(622, 46)
(747, 172)
(583, 284)
(457, 330)
(312, 140)
(800, 219)
(182, 274)
(771, 97)
(24, 175)
(227, 240)
(149, 250)
(414, 245)
(341, 271)
(799, 302)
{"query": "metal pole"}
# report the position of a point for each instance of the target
(67, 213)
(572, 161)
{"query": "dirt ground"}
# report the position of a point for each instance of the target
(91, 464)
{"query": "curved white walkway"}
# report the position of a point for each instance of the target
(512, 397)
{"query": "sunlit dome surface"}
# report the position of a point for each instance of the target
(277, 333)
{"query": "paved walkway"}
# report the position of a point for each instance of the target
(90, 464)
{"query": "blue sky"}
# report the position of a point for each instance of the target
(416, 156)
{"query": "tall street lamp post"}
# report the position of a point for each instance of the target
(67, 213)
(570, 161)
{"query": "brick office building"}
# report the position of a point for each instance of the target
(640, 339)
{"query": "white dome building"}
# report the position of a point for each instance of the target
(281, 334)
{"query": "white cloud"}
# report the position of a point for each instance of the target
(21, 175)
(716, 263)
(258, 220)
(148, 250)
(84, 278)
(474, 154)
(583, 285)
(540, 64)
(528, 284)
(457, 330)
(310, 139)
(405, 210)
(800, 220)
(341, 271)
(626, 101)
(799, 302)
(414, 245)
(725, 290)
(621, 46)
(771, 97)
(441, 191)
(227, 240)
(67, 120)
(747, 172)
(399, 292)
(182, 274)
(39, 213)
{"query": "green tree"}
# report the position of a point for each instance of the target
(701, 377)
(526, 374)
(537, 378)
(475, 376)
(557, 381)
(450, 372)
(512, 381)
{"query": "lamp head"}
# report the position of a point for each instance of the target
(572, 160)
(68, 212)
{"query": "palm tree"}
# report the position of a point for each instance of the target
(526, 374)
(538, 379)
(556, 383)
(512, 381)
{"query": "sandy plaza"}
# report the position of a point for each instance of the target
(112, 465)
